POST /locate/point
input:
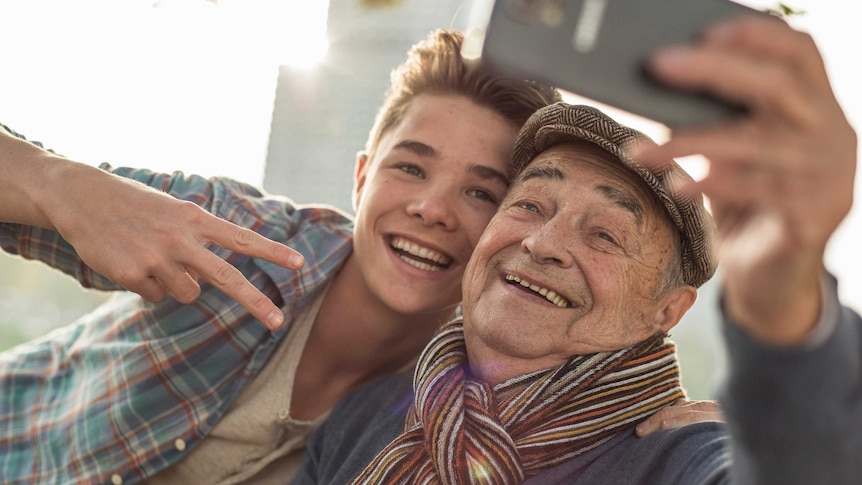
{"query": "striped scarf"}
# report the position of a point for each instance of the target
(460, 430)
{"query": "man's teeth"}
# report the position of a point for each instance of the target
(550, 295)
(441, 260)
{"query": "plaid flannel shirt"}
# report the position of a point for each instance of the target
(128, 389)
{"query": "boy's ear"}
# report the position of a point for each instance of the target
(359, 175)
(674, 305)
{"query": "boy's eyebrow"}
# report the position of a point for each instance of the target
(424, 150)
(417, 147)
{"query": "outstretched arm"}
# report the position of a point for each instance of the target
(145, 240)
(780, 182)
(780, 179)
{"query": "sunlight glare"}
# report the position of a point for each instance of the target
(292, 32)
(164, 84)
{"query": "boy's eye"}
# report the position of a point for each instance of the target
(411, 169)
(482, 195)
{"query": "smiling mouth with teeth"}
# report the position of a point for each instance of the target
(549, 295)
(418, 256)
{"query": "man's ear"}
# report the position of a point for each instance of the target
(674, 304)
(359, 175)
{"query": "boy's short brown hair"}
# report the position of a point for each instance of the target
(435, 65)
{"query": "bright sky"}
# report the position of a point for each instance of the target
(165, 84)
(188, 84)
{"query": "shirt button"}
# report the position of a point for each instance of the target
(116, 479)
(180, 445)
(283, 413)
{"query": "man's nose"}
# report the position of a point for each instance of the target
(550, 243)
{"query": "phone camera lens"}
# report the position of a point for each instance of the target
(548, 13)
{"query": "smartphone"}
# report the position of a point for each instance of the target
(598, 49)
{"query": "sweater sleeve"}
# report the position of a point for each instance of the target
(795, 414)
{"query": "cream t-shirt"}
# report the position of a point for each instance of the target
(256, 441)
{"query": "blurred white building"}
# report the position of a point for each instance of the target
(322, 115)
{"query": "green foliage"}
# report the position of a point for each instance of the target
(785, 11)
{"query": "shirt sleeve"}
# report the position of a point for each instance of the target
(828, 313)
(19, 135)
(216, 195)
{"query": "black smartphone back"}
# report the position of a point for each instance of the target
(598, 49)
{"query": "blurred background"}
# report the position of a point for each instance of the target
(280, 94)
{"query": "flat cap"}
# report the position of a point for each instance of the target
(562, 123)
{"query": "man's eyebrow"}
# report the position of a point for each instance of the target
(623, 200)
(417, 147)
(543, 172)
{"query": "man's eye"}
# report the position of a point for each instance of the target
(529, 206)
(607, 237)
(411, 169)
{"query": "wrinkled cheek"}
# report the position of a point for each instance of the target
(621, 325)
(639, 323)
(479, 228)
(642, 326)
(474, 283)
(468, 284)
(485, 234)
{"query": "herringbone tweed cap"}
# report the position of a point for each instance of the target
(562, 122)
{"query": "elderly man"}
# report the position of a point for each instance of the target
(592, 258)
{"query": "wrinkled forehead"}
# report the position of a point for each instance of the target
(563, 163)
(576, 155)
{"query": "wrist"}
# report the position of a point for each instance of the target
(783, 312)
(65, 186)
(23, 180)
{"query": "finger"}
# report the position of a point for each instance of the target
(769, 37)
(149, 288)
(240, 239)
(757, 61)
(680, 413)
(745, 141)
(650, 425)
(686, 418)
(654, 422)
(759, 85)
(695, 141)
(192, 274)
(180, 284)
(740, 184)
(680, 418)
(645, 428)
(690, 416)
(137, 277)
(233, 283)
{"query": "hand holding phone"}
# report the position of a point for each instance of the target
(599, 48)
